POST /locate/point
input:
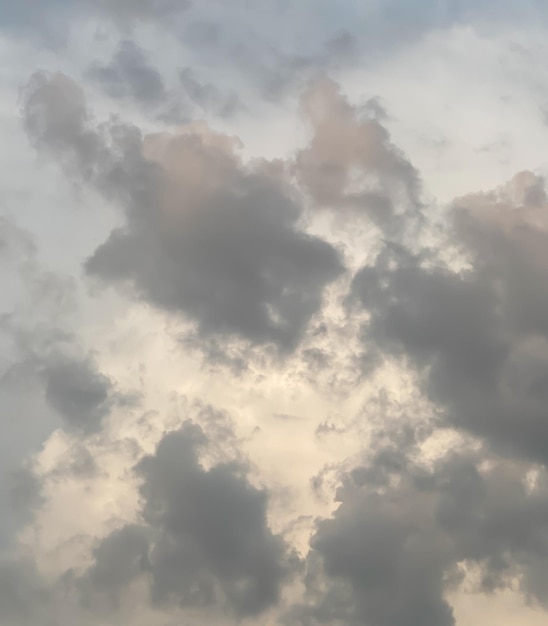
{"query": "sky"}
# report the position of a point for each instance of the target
(274, 313)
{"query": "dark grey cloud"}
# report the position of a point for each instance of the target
(205, 541)
(390, 569)
(80, 394)
(117, 560)
(206, 235)
(402, 533)
(479, 334)
(130, 75)
(213, 531)
(73, 388)
(25, 492)
(235, 264)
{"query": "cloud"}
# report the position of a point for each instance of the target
(224, 245)
(33, 304)
(205, 541)
(206, 235)
(52, 22)
(24, 596)
(117, 560)
(478, 334)
(55, 116)
(78, 392)
(404, 534)
(350, 162)
(129, 75)
(143, 9)
(206, 96)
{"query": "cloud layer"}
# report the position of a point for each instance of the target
(253, 370)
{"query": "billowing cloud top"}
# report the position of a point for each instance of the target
(273, 326)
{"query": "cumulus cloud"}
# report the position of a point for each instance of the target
(206, 235)
(350, 162)
(117, 560)
(477, 334)
(379, 362)
(399, 542)
(205, 540)
(81, 395)
(220, 242)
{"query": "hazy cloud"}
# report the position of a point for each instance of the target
(130, 75)
(24, 596)
(206, 96)
(52, 21)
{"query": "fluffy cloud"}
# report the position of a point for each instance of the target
(350, 162)
(404, 534)
(383, 359)
(80, 394)
(206, 235)
(478, 334)
(205, 541)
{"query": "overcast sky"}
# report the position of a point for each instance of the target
(274, 313)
